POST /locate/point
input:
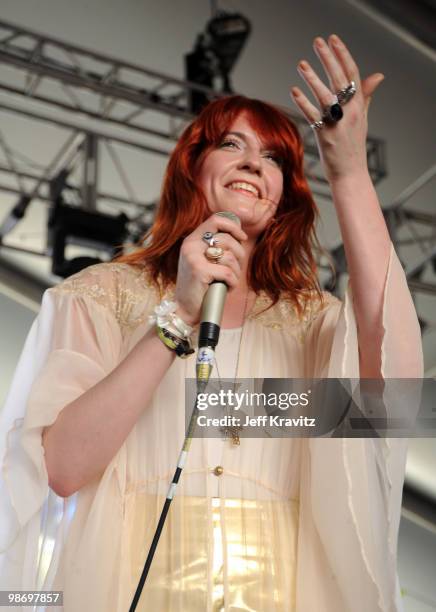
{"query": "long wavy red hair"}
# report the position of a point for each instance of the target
(282, 262)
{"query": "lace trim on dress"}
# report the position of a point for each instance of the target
(130, 295)
(121, 288)
(283, 315)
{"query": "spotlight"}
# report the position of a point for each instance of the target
(228, 34)
(72, 225)
(215, 54)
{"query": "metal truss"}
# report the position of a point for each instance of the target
(83, 82)
(398, 216)
(122, 93)
(421, 227)
(151, 108)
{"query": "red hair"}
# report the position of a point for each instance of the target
(282, 263)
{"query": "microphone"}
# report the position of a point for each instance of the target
(213, 304)
(210, 318)
(210, 321)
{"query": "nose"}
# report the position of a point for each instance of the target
(251, 163)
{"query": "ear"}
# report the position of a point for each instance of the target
(369, 85)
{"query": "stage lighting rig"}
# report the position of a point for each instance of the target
(215, 54)
(15, 215)
(73, 225)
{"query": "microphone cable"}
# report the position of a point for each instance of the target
(211, 315)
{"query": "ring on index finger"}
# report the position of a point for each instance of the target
(317, 125)
(209, 239)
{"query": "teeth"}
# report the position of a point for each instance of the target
(245, 186)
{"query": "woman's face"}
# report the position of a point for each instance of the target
(243, 177)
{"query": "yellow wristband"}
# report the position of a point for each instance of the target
(182, 348)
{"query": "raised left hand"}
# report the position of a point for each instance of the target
(342, 144)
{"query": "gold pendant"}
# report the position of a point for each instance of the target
(232, 432)
(235, 435)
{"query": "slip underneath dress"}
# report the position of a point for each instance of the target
(222, 552)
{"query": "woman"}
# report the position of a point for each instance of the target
(292, 524)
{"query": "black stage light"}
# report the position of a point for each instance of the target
(214, 56)
(199, 68)
(228, 33)
(72, 225)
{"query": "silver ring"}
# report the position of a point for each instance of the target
(344, 95)
(317, 125)
(209, 238)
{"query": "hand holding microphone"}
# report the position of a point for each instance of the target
(196, 273)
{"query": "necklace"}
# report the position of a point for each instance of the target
(233, 429)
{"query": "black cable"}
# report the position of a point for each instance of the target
(201, 385)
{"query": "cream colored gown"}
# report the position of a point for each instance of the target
(290, 525)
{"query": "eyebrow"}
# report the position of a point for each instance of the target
(240, 134)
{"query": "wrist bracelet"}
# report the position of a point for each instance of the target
(180, 325)
(183, 348)
(165, 316)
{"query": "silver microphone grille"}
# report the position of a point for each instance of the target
(230, 216)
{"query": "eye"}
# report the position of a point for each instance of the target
(274, 157)
(229, 143)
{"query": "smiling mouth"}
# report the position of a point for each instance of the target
(245, 189)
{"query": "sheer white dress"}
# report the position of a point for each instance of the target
(292, 525)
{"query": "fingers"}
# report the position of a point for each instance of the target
(340, 69)
(370, 84)
(345, 59)
(217, 223)
(332, 67)
(231, 260)
(321, 92)
(195, 267)
(228, 235)
(227, 270)
(195, 272)
(227, 242)
(308, 109)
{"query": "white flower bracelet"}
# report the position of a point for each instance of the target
(164, 316)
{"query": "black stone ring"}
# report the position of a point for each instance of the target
(333, 113)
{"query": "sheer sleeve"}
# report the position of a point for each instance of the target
(74, 342)
(362, 478)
